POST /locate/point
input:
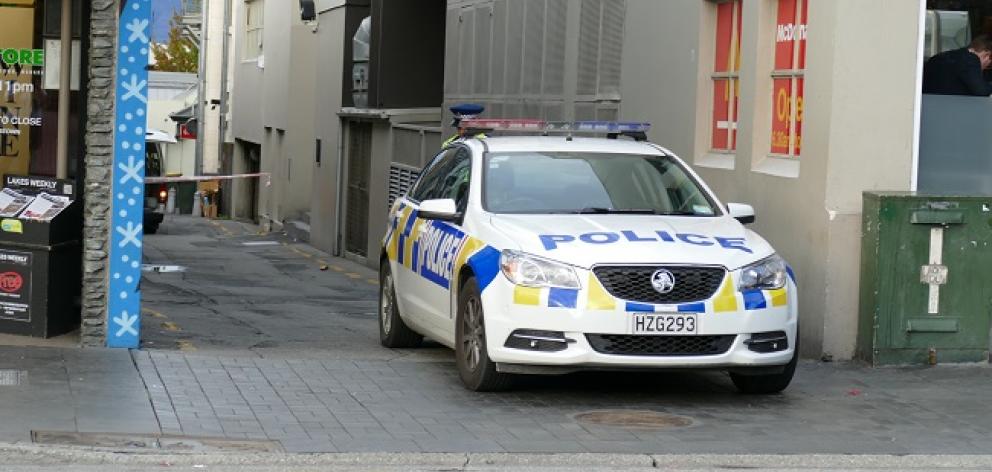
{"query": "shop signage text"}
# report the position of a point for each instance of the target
(24, 57)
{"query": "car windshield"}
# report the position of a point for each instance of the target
(594, 183)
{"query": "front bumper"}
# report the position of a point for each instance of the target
(504, 313)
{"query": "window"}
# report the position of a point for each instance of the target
(788, 77)
(454, 181)
(726, 77)
(583, 182)
(432, 172)
(254, 21)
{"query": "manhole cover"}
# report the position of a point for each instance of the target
(638, 419)
(10, 378)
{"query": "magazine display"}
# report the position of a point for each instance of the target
(12, 202)
(45, 207)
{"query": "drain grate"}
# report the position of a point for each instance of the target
(12, 378)
(634, 419)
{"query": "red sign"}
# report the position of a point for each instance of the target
(185, 132)
(11, 282)
(787, 87)
(726, 88)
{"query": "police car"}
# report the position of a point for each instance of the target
(558, 253)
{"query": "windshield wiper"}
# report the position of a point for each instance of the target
(681, 213)
(615, 211)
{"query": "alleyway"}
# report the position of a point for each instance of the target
(243, 291)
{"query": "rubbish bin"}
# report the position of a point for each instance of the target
(926, 268)
(40, 260)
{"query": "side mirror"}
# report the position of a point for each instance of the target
(743, 213)
(443, 209)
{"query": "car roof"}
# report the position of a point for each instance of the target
(502, 144)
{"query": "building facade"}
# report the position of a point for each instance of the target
(793, 106)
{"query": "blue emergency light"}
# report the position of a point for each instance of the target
(613, 129)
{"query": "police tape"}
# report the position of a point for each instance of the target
(204, 178)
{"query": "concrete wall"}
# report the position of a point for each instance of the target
(327, 104)
(272, 105)
(858, 131)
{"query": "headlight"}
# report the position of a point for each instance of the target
(766, 274)
(532, 271)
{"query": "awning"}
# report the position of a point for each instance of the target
(159, 136)
(184, 115)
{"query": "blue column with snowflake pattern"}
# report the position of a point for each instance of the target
(124, 299)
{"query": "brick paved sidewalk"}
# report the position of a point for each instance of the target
(416, 404)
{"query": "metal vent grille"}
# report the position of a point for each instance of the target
(554, 47)
(451, 53)
(466, 39)
(533, 47)
(359, 168)
(611, 47)
(631, 345)
(483, 46)
(589, 45)
(514, 47)
(499, 48)
(633, 283)
(401, 178)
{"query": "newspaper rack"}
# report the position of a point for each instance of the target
(40, 258)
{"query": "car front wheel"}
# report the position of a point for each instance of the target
(477, 371)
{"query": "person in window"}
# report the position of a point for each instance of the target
(959, 72)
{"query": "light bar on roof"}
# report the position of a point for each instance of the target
(578, 127)
(612, 126)
(504, 124)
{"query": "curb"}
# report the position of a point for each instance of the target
(17, 454)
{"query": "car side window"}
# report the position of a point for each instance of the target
(422, 189)
(454, 182)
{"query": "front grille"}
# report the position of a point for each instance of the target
(633, 345)
(633, 283)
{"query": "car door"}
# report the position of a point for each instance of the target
(438, 242)
(411, 303)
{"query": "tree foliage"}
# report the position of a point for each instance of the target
(179, 53)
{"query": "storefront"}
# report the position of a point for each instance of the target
(79, 118)
(954, 141)
(33, 134)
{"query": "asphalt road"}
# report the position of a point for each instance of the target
(246, 291)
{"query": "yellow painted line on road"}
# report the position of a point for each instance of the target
(170, 326)
(185, 345)
(337, 268)
(372, 281)
(354, 275)
(153, 313)
(221, 227)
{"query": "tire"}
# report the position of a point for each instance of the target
(151, 228)
(393, 332)
(770, 383)
(477, 371)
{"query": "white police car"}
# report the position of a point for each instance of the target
(551, 254)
